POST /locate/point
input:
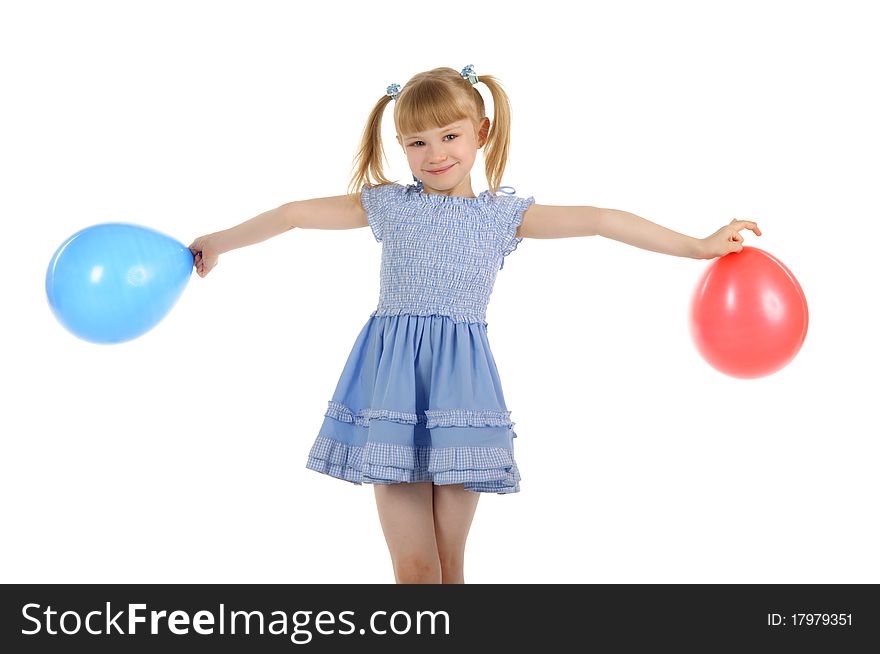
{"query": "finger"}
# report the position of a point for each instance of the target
(746, 224)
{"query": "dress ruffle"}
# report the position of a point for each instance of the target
(479, 469)
(447, 418)
(382, 427)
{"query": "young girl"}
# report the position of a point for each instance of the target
(419, 410)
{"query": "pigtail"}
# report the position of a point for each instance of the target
(368, 160)
(497, 147)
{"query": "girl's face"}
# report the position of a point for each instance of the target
(443, 157)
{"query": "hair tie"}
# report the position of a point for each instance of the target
(393, 91)
(468, 73)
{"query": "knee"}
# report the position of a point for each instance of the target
(452, 567)
(417, 570)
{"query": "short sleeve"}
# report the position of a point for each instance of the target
(510, 217)
(378, 201)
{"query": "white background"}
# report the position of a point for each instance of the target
(179, 457)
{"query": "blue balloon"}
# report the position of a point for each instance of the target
(113, 282)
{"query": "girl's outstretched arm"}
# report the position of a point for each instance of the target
(339, 212)
(547, 221)
(634, 230)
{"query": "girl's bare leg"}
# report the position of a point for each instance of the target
(454, 509)
(407, 517)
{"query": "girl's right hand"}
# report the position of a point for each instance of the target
(204, 258)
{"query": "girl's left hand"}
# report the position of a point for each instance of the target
(727, 239)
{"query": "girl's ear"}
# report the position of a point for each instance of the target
(484, 132)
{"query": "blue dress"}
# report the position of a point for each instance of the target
(419, 398)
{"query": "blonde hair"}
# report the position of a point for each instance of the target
(436, 98)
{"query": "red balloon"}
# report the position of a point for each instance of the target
(748, 314)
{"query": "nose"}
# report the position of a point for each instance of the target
(436, 153)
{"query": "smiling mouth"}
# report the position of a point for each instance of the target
(441, 170)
